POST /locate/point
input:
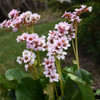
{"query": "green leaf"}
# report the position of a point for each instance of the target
(74, 62)
(85, 76)
(87, 93)
(29, 89)
(49, 91)
(15, 74)
(71, 69)
(98, 92)
(73, 77)
(77, 91)
(71, 90)
(8, 84)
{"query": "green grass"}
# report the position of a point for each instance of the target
(10, 49)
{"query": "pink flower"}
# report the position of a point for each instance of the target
(89, 8)
(28, 57)
(50, 70)
(3, 24)
(35, 17)
(15, 29)
(54, 78)
(62, 27)
(13, 14)
(19, 60)
(26, 67)
(75, 15)
(71, 36)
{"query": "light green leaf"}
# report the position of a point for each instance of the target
(98, 92)
(74, 62)
(71, 69)
(15, 74)
(73, 77)
(49, 91)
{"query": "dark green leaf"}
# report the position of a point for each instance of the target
(86, 91)
(29, 89)
(72, 91)
(85, 76)
(8, 84)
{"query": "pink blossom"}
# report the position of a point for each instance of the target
(62, 27)
(3, 24)
(19, 60)
(13, 14)
(28, 57)
(75, 15)
(15, 29)
(26, 67)
(50, 70)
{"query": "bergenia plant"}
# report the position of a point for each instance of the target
(50, 80)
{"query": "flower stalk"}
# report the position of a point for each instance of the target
(76, 45)
(34, 77)
(73, 45)
(38, 59)
(55, 89)
(60, 75)
(36, 71)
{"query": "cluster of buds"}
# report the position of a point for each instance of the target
(16, 21)
(34, 42)
(74, 17)
(50, 70)
(28, 57)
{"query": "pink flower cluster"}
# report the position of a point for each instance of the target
(58, 40)
(16, 20)
(75, 15)
(50, 70)
(28, 57)
(33, 41)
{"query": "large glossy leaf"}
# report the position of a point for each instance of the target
(15, 74)
(85, 76)
(86, 91)
(29, 89)
(72, 92)
(76, 91)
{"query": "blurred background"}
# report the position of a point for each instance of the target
(51, 12)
